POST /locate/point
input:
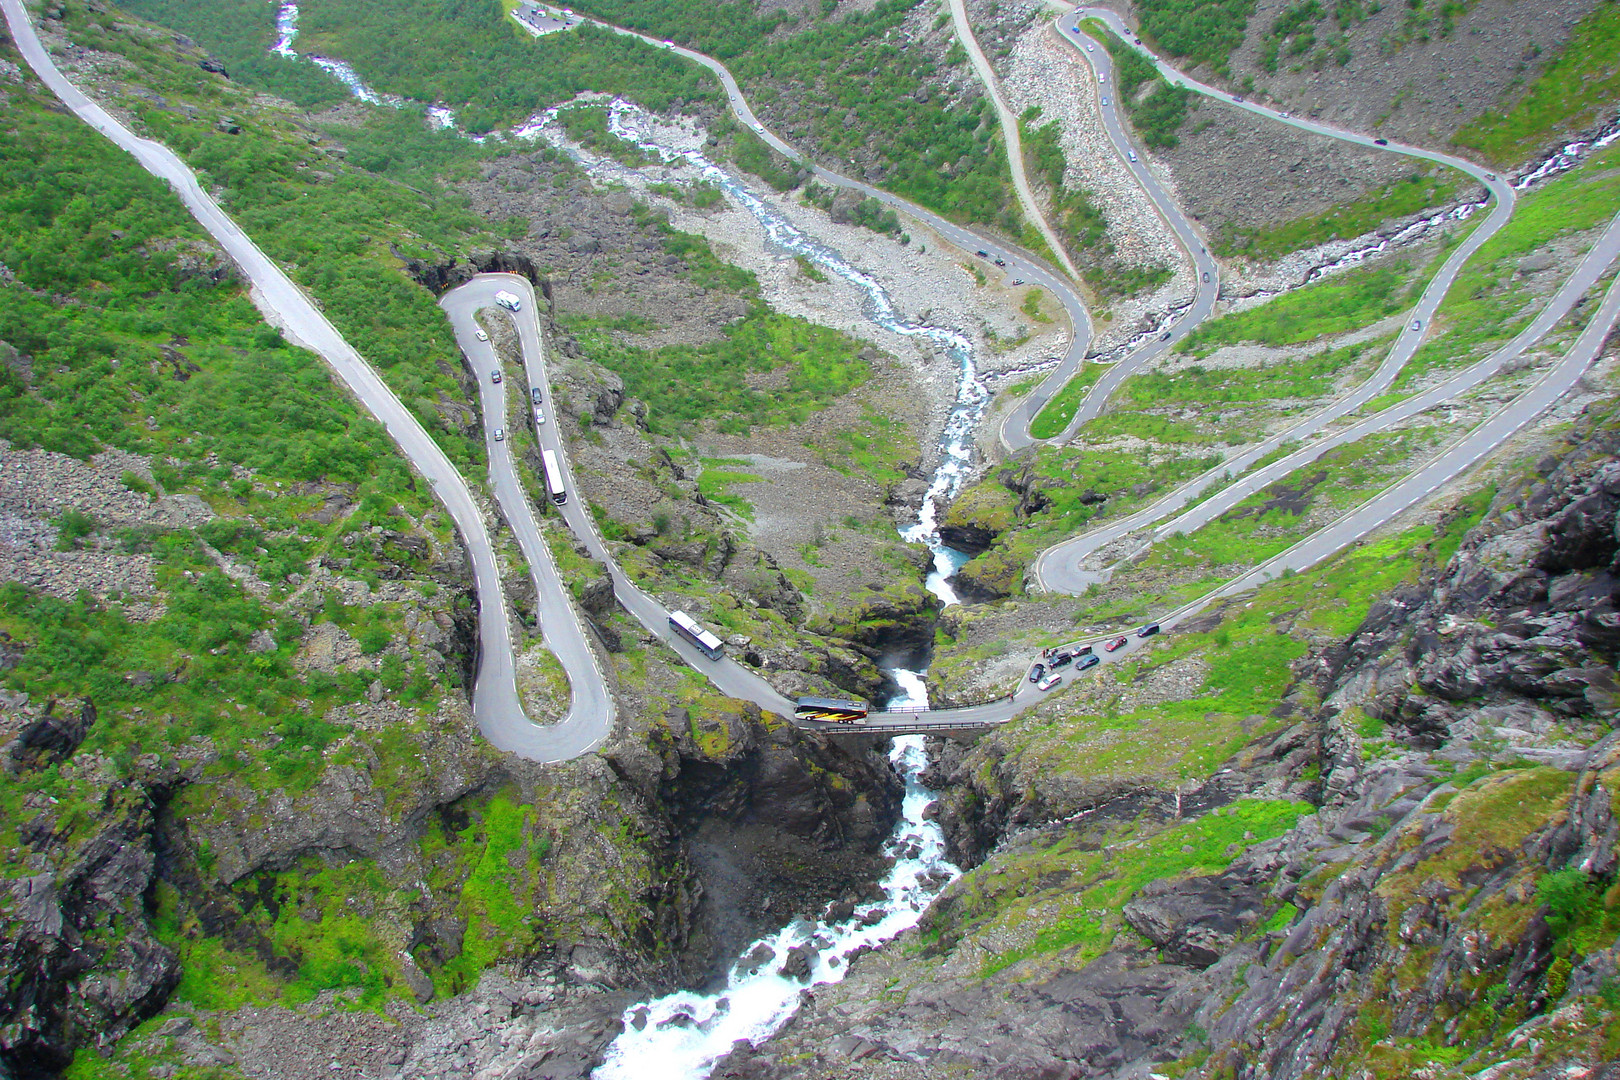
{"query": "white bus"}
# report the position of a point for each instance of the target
(554, 477)
(706, 643)
(509, 301)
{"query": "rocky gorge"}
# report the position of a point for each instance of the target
(1454, 754)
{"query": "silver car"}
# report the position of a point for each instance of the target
(1049, 682)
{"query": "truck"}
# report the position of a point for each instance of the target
(509, 301)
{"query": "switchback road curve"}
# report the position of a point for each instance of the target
(286, 306)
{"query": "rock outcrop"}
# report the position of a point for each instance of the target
(1443, 905)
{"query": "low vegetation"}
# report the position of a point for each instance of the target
(1421, 190)
(1201, 31)
(1577, 90)
(1334, 305)
(1157, 112)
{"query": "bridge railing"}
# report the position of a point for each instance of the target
(903, 709)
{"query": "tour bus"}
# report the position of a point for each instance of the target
(554, 477)
(835, 709)
(684, 625)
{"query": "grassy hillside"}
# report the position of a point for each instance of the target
(1579, 89)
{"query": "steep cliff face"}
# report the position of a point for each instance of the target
(1444, 903)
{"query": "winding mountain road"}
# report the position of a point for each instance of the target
(1009, 134)
(590, 718)
(285, 305)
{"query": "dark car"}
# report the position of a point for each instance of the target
(1149, 630)
(495, 376)
(1001, 262)
(1165, 336)
(1037, 672)
(1206, 275)
(1062, 659)
(1381, 142)
(1117, 643)
(1088, 662)
(1084, 650)
(982, 254)
(534, 394)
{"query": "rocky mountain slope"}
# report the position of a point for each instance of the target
(241, 774)
(1446, 902)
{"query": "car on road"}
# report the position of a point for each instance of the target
(1105, 101)
(1131, 154)
(981, 253)
(1102, 76)
(539, 417)
(1049, 682)
(1165, 336)
(534, 395)
(480, 335)
(1490, 176)
(1206, 275)
(1089, 48)
(1037, 673)
(1018, 281)
(1381, 142)
(1118, 643)
(1001, 262)
(1417, 324)
(1283, 115)
(669, 44)
(495, 376)
(1237, 98)
(1149, 630)
(1087, 662)
(500, 434)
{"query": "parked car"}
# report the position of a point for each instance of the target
(1149, 630)
(495, 376)
(1037, 673)
(500, 434)
(1084, 650)
(1118, 643)
(480, 335)
(1087, 662)
(1049, 682)
(1062, 659)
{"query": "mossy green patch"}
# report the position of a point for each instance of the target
(1066, 897)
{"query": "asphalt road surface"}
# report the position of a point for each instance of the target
(496, 703)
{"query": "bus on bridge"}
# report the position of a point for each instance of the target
(837, 710)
